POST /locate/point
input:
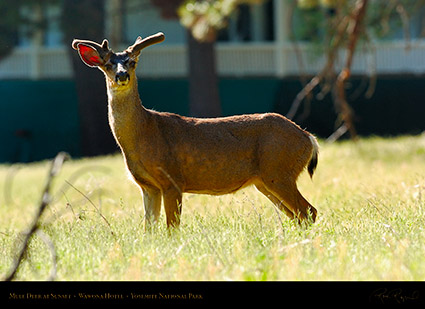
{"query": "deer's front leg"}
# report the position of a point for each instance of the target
(173, 206)
(152, 203)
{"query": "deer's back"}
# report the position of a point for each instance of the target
(221, 155)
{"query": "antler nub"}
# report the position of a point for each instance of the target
(105, 44)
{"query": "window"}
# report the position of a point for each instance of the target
(251, 23)
(42, 26)
(53, 32)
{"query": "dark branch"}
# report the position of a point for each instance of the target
(45, 200)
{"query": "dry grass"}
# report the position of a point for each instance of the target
(371, 223)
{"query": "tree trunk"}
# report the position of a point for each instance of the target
(84, 19)
(203, 84)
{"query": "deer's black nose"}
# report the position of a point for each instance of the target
(122, 77)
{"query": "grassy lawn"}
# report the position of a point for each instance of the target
(370, 198)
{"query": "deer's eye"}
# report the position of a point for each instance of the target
(132, 63)
(108, 66)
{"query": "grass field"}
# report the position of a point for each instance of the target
(370, 196)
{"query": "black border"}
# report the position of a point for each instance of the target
(214, 293)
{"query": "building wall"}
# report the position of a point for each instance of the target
(40, 118)
(37, 123)
(37, 119)
(396, 107)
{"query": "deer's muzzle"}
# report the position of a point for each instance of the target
(122, 78)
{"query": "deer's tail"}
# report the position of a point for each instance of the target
(314, 156)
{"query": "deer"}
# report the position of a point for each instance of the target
(167, 154)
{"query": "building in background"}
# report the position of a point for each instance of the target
(258, 66)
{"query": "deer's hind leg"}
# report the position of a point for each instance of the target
(173, 206)
(286, 192)
(279, 203)
(152, 203)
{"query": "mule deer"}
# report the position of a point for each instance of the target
(168, 154)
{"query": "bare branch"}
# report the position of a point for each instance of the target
(326, 71)
(302, 94)
(345, 110)
(55, 168)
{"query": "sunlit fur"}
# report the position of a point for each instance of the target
(168, 154)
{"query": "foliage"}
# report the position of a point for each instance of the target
(370, 197)
(206, 17)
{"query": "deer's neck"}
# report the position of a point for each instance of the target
(127, 117)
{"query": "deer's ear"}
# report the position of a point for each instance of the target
(89, 55)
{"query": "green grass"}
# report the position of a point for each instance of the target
(371, 223)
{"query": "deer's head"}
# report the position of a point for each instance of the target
(119, 68)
